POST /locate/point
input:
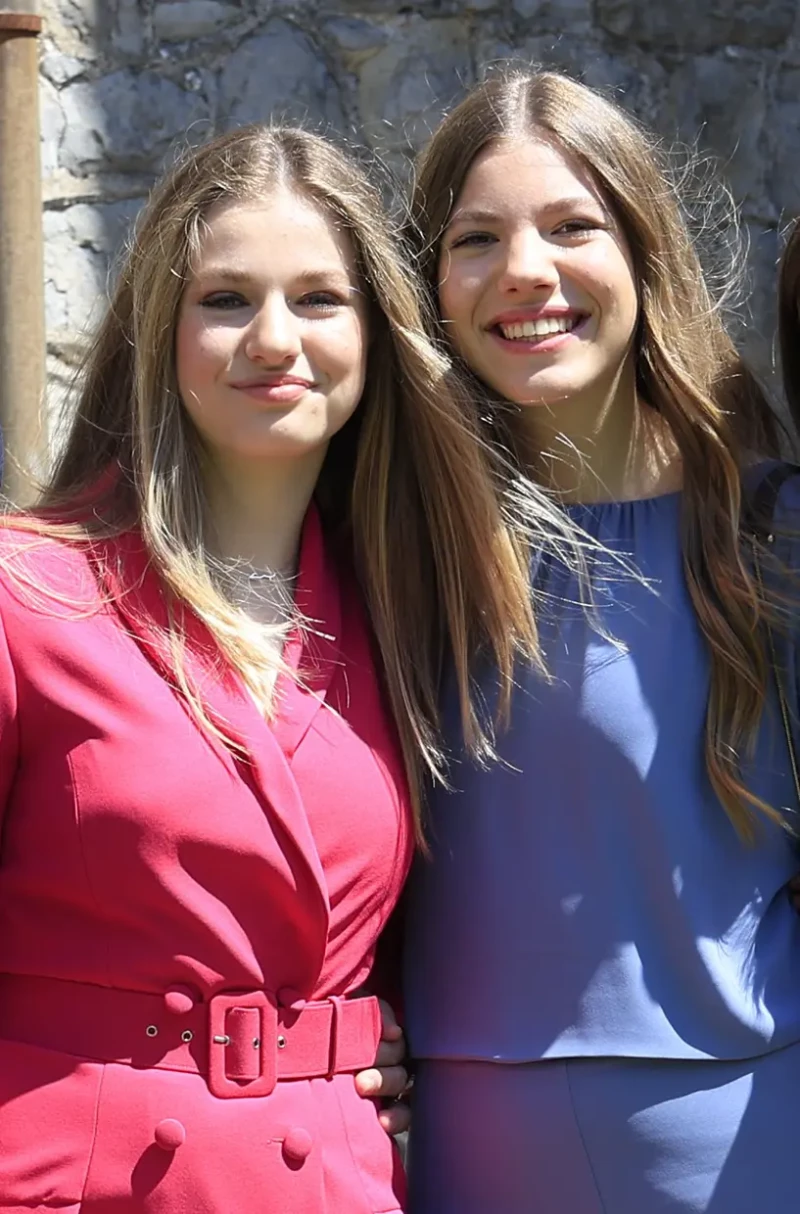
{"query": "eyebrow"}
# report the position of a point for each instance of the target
(233, 274)
(567, 203)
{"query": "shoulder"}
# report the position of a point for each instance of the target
(787, 503)
(40, 571)
(772, 512)
(771, 492)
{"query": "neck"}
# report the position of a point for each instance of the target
(615, 448)
(257, 511)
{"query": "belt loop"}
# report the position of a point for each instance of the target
(336, 1002)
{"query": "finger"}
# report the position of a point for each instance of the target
(390, 1029)
(390, 1053)
(389, 1081)
(396, 1118)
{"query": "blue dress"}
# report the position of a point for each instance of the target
(602, 980)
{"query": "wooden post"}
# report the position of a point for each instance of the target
(22, 329)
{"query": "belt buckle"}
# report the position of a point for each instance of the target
(219, 1084)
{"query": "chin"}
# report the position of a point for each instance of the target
(278, 447)
(530, 398)
(533, 395)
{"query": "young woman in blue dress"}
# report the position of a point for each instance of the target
(602, 959)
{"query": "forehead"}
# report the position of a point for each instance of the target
(525, 171)
(284, 230)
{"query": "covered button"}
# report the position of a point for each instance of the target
(170, 1134)
(179, 1000)
(297, 1144)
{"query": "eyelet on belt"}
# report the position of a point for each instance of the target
(152, 1030)
(187, 1035)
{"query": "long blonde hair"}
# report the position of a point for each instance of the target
(407, 488)
(686, 367)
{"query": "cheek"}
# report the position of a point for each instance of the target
(183, 345)
(456, 300)
(626, 302)
(616, 284)
(188, 357)
(344, 355)
(632, 297)
(450, 290)
(356, 375)
(199, 349)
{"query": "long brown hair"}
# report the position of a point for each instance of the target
(407, 485)
(686, 367)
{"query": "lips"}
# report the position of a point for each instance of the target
(275, 390)
(529, 325)
(538, 328)
(274, 381)
(526, 334)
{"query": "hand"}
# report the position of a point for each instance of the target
(388, 1078)
(793, 888)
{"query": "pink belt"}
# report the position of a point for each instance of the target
(242, 1042)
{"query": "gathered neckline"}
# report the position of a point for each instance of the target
(626, 501)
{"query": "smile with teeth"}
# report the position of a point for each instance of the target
(541, 327)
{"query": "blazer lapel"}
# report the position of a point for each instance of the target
(263, 748)
(313, 648)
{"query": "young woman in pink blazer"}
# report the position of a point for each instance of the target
(208, 790)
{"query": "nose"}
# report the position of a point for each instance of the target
(529, 263)
(273, 335)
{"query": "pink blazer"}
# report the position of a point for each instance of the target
(147, 869)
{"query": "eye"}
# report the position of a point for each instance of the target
(225, 301)
(473, 240)
(576, 227)
(321, 301)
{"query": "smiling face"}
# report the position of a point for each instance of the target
(271, 335)
(536, 286)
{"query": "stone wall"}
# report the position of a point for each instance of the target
(123, 80)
